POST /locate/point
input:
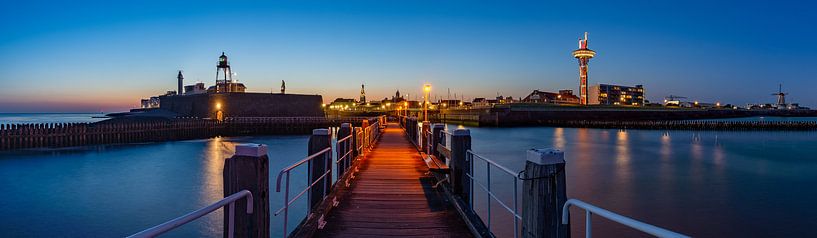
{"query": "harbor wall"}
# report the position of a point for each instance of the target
(244, 105)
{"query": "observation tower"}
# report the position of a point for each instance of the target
(583, 54)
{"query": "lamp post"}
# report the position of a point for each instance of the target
(427, 90)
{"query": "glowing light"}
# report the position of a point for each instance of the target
(427, 88)
(323, 105)
(218, 106)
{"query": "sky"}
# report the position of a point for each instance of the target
(91, 56)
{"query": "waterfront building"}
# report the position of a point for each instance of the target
(197, 88)
(583, 54)
(608, 94)
(563, 97)
(343, 104)
(228, 98)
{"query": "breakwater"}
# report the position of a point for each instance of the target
(689, 125)
(618, 117)
(55, 135)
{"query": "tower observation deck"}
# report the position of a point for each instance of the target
(583, 54)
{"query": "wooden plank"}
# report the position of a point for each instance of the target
(392, 196)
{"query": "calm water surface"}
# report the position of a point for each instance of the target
(114, 191)
(49, 117)
(705, 184)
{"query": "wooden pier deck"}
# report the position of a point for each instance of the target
(392, 196)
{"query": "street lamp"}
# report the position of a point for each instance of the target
(427, 90)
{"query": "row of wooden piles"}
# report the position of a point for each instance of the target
(55, 135)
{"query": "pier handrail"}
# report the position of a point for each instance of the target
(287, 171)
(187, 218)
(632, 223)
(366, 138)
(470, 157)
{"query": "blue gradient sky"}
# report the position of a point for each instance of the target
(106, 55)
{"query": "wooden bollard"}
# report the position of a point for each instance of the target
(460, 144)
(365, 126)
(425, 130)
(544, 194)
(344, 131)
(437, 137)
(248, 170)
(319, 141)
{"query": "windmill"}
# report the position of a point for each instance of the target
(781, 96)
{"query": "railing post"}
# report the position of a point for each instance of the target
(248, 170)
(544, 194)
(436, 137)
(319, 141)
(344, 131)
(364, 125)
(356, 141)
(460, 144)
(424, 130)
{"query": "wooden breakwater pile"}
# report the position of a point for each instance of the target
(688, 125)
(55, 135)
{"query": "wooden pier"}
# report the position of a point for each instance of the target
(383, 188)
(393, 196)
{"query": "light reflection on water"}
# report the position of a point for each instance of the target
(707, 184)
(114, 191)
(700, 183)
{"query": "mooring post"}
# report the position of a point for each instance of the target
(437, 137)
(424, 136)
(365, 126)
(460, 144)
(544, 194)
(343, 147)
(319, 141)
(356, 141)
(248, 170)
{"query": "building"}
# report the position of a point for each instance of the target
(608, 94)
(197, 88)
(228, 98)
(563, 97)
(343, 104)
(583, 54)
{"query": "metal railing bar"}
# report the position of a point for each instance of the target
(328, 171)
(179, 221)
(287, 169)
(345, 138)
(632, 223)
(506, 170)
(494, 197)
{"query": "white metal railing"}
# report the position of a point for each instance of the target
(365, 138)
(632, 223)
(470, 157)
(286, 171)
(173, 224)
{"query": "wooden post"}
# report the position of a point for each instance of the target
(460, 144)
(437, 137)
(248, 170)
(344, 131)
(319, 140)
(544, 194)
(424, 137)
